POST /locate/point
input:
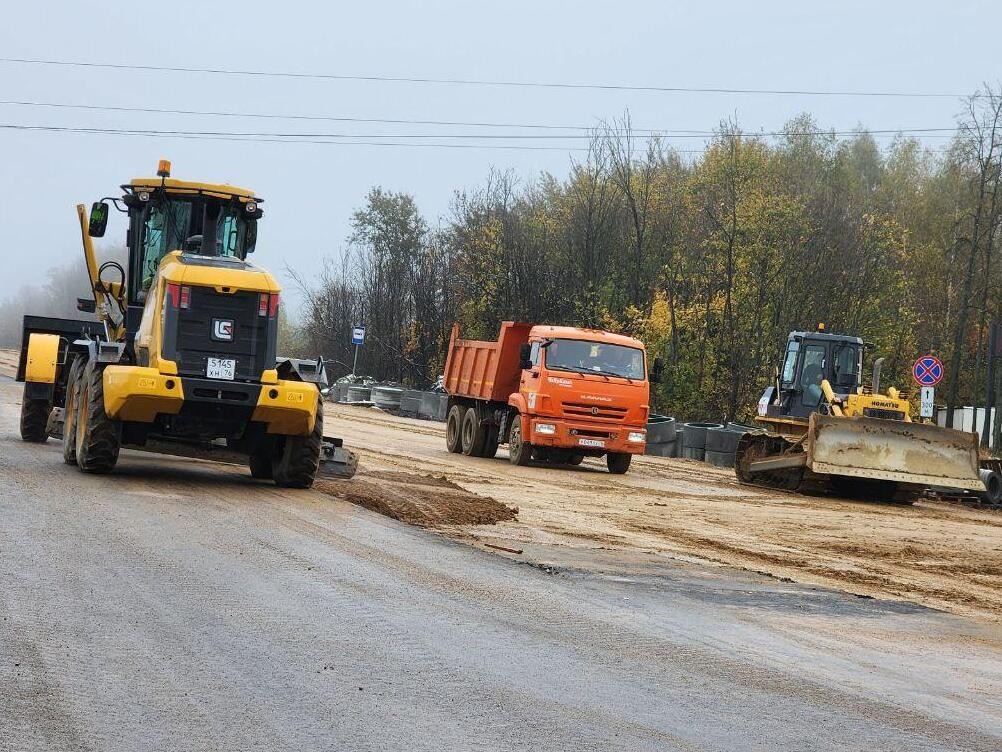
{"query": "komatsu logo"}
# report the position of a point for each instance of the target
(222, 330)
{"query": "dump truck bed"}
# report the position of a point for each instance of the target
(482, 369)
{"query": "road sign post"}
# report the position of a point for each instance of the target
(928, 402)
(928, 372)
(357, 338)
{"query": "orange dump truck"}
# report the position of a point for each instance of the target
(551, 393)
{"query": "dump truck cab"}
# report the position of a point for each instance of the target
(551, 393)
(585, 389)
(186, 362)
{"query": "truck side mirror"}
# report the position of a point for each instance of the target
(657, 370)
(525, 356)
(98, 219)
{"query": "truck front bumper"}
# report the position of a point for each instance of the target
(587, 438)
(140, 394)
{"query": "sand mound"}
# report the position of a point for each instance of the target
(423, 500)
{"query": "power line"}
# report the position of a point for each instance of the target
(478, 82)
(586, 131)
(298, 138)
(223, 136)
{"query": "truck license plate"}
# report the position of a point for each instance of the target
(220, 368)
(591, 442)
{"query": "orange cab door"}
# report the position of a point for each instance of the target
(530, 383)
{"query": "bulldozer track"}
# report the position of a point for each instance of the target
(752, 447)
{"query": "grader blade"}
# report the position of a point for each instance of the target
(336, 461)
(915, 453)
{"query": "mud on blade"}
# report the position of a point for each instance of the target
(915, 453)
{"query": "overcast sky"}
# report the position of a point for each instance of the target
(312, 189)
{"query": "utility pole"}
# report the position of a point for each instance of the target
(989, 433)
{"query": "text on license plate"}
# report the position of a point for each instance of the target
(591, 442)
(220, 368)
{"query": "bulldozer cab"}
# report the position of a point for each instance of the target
(810, 358)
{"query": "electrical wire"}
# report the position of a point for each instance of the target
(587, 132)
(479, 82)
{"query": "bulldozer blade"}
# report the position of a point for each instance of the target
(337, 462)
(915, 453)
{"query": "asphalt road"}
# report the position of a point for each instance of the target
(178, 605)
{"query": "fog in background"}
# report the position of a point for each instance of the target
(312, 189)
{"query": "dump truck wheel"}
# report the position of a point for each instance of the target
(297, 465)
(70, 411)
(35, 419)
(491, 442)
(454, 429)
(261, 464)
(618, 462)
(98, 437)
(474, 435)
(575, 459)
(519, 450)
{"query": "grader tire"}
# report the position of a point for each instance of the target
(297, 465)
(70, 411)
(98, 437)
(35, 419)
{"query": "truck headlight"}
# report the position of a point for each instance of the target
(636, 436)
(547, 428)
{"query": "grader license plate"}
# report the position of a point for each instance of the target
(220, 368)
(591, 442)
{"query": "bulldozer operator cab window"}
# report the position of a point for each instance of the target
(847, 366)
(595, 357)
(790, 364)
(201, 226)
(811, 374)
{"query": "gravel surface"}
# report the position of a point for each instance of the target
(179, 605)
(944, 556)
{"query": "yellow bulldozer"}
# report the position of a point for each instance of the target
(825, 431)
(181, 358)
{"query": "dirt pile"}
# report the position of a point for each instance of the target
(423, 500)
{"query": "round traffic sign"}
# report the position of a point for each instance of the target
(928, 370)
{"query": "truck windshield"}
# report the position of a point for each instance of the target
(595, 357)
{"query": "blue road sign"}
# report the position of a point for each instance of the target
(928, 370)
(358, 335)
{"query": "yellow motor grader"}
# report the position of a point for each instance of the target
(827, 432)
(182, 357)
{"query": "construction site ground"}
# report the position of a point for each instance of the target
(441, 602)
(941, 555)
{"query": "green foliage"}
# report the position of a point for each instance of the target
(711, 262)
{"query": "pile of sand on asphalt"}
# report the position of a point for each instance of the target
(422, 500)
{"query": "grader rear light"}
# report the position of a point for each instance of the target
(267, 305)
(178, 296)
